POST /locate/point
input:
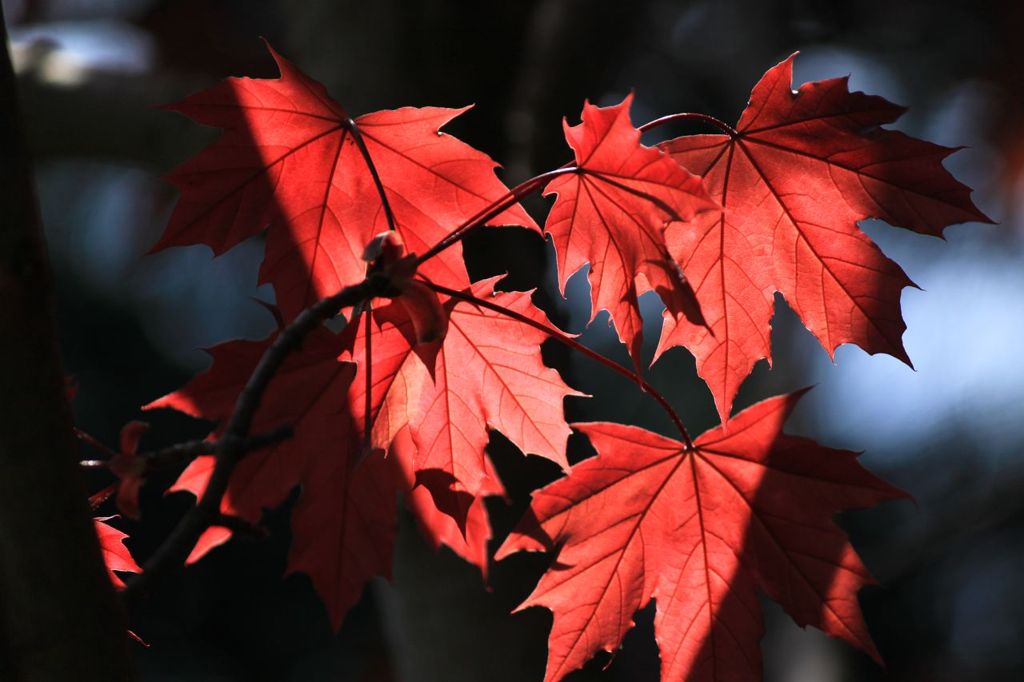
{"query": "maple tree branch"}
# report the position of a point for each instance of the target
(496, 208)
(358, 137)
(231, 446)
(182, 453)
(689, 116)
(569, 341)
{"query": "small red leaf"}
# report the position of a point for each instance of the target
(486, 373)
(115, 555)
(344, 522)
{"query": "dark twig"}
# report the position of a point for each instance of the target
(90, 440)
(181, 454)
(231, 446)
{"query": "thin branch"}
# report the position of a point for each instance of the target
(358, 137)
(495, 209)
(98, 498)
(230, 447)
(92, 441)
(183, 453)
(569, 341)
(688, 116)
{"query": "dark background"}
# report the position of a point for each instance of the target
(949, 606)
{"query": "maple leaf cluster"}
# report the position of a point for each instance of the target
(400, 403)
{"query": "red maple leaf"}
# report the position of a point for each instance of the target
(425, 374)
(699, 531)
(344, 522)
(487, 374)
(400, 366)
(611, 214)
(115, 555)
(308, 393)
(290, 157)
(793, 179)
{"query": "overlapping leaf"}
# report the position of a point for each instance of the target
(699, 532)
(308, 393)
(488, 374)
(801, 169)
(344, 522)
(400, 368)
(289, 158)
(612, 213)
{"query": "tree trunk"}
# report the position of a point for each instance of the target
(59, 616)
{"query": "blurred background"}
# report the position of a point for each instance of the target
(949, 605)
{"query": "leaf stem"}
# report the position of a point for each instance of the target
(527, 187)
(690, 116)
(569, 341)
(358, 137)
(89, 439)
(495, 209)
